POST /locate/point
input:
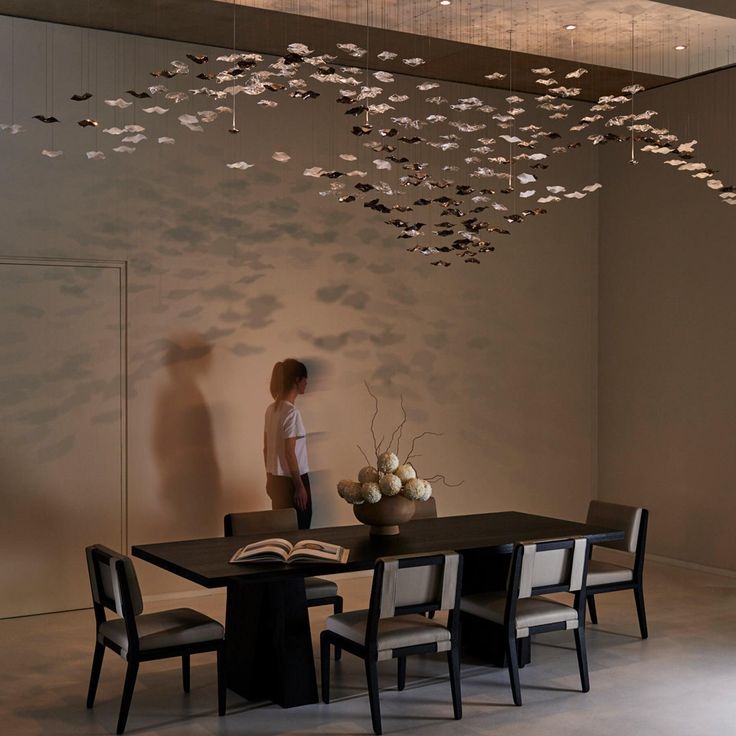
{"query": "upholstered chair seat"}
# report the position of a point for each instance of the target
(174, 628)
(537, 611)
(393, 633)
(603, 573)
(318, 588)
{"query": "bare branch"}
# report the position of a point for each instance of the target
(373, 419)
(398, 429)
(444, 481)
(413, 442)
(364, 455)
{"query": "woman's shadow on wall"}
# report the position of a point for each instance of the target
(183, 442)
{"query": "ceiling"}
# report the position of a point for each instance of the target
(604, 34)
(462, 42)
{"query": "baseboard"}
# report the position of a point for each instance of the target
(670, 561)
(692, 566)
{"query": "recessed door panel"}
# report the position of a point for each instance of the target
(61, 430)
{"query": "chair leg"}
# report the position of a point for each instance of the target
(221, 682)
(591, 608)
(130, 676)
(185, 672)
(582, 659)
(513, 664)
(640, 611)
(371, 673)
(453, 661)
(324, 658)
(401, 673)
(94, 676)
(337, 608)
(430, 614)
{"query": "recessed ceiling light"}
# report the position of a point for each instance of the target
(570, 27)
(680, 47)
(445, 2)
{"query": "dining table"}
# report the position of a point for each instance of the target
(267, 634)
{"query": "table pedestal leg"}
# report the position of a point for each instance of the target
(486, 570)
(486, 641)
(269, 644)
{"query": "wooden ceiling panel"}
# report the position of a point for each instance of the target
(210, 23)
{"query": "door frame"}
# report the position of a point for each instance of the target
(121, 266)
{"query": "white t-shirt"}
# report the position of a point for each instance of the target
(282, 422)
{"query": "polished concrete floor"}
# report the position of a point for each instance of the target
(681, 681)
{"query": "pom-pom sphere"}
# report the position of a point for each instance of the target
(390, 484)
(341, 486)
(406, 472)
(353, 493)
(413, 489)
(347, 488)
(368, 474)
(387, 462)
(426, 492)
(371, 493)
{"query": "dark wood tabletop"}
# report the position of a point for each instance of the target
(205, 561)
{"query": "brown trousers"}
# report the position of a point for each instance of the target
(280, 489)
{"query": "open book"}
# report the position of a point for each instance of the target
(280, 550)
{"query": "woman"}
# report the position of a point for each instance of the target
(285, 443)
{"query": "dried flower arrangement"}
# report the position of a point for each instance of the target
(389, 476)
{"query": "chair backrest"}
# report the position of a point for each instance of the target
(253, 522)
(549, 566)
(617, 516)
(409, 584)
(113, 581)
(425, 509)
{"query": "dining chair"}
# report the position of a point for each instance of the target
(141, 637)
(320, 592)
(537, 568)
(393, 628)
(605, 577)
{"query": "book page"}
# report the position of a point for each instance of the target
(311, 550)
(313, 555)
(281, 544)
(313, 544)
(274, 550)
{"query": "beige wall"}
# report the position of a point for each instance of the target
(229, 272)
(667, 395)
